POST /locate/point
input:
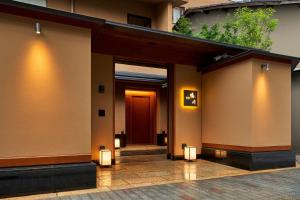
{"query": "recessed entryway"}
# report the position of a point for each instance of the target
(141, 113)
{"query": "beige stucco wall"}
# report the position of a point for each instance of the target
(199, 3)
(102, 127)
(163, 18)
(245, 106)
(226, 117)
(284, 40)
(271, 106)
(45, 99)
(115, 10)
(187, 122)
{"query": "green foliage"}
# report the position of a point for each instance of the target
(246, 27)
(184, 26)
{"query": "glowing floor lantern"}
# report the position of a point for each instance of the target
(104, 157)
(190, 153)
(117, 143)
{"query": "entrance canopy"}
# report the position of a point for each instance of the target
(140, 44)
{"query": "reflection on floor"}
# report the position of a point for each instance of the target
(156, 169)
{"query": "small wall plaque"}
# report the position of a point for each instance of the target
(190, 98)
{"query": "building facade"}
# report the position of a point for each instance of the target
(283, 38)
(59, 82)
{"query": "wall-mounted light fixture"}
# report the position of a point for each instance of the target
(190, 98)
(265, 67)
(117, 143)
(104, 157)
(38, 29)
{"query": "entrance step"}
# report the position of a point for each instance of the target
(143, 150)
(141, 158)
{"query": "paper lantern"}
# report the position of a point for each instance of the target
(105, 157)
(190, 153)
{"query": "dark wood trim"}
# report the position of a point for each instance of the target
(33, 161)
(247, 149)
(154, 64)
(114, 108)
(138, 84)
(171, 109)
(244, 56)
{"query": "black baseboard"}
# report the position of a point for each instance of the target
(19, 181)
(253, 160)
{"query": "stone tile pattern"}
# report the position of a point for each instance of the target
(159, 171)
(276, 185)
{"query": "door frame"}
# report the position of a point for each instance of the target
(170, 95)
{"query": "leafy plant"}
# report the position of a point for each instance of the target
(184, 26)
(246, 27)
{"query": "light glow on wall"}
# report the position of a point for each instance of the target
(261, 94)
(139, 93)
(39, 76)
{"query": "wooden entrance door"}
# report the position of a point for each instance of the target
(140, 119)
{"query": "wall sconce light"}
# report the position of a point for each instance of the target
(104, 157)
(265, 67)
(117, 143)
(38, 29)
(190, 152)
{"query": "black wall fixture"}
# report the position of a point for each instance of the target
(101, 113)
(101, 89)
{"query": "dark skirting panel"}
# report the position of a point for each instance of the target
(253, 160)
(19, 181)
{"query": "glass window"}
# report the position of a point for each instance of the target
(42, 3)
(177, 13)
(139, 20)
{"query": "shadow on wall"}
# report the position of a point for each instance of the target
(296, 111)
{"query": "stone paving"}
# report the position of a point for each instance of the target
(184, 180)
(277, 185)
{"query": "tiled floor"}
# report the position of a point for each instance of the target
(134, 174)
(276, 185)
(165, 175)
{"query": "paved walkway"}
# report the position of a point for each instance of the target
(281, 185)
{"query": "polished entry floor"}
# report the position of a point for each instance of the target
(160, 175)
(155, 169)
